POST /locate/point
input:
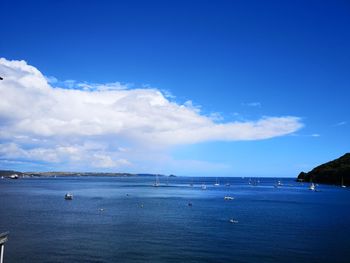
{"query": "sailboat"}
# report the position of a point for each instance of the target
(191, 184)
(342, 182)
(312, 187)
(216, 182)
(156, 183)
(278, 184)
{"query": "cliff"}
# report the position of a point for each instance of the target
(333, 172)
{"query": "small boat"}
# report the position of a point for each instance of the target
(312, 187)
(204, 187)
(216, 182)
(156, 183)
(189, 204)
(228, 184)
(68, 196)
(14, 176)
(228, 198)
(342, 182)
(278, 184)
(233, 221)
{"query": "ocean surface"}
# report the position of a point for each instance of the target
(126, 219)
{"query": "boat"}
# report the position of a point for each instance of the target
(156, 183)
(228, 198)
(14, 176)
(342, 182)
(312, 187)
(228, 184)
(204, 187)
(68, 196)
(233, 221)
(278, 184)
(216, 182)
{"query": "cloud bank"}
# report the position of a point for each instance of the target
(102, 125)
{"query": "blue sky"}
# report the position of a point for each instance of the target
(230, 61)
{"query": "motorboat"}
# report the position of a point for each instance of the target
(68, 196)
(228, 198)
(14, 176)
(233, 221)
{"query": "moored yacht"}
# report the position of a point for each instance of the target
(156, 183)
(312, 187)
(216, 182)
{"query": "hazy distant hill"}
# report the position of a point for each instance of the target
(7, 173)
(330, 173)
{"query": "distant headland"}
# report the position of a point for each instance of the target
(334, 172)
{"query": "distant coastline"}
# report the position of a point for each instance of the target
(8, 173)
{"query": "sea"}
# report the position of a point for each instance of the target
(127, 219)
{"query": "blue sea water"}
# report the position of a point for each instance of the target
(126, 219)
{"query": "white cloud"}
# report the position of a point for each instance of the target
(56, 124)
(252, 104)
(315, 135)
(341, 123)
(105, 161)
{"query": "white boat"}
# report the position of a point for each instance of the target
(228, 198)
(342, 183)
(156, 183)
(14, 176)
(312, 187)
(68, 196)
(278, 184)
(204, 187)
(233, 221)
(216, 182)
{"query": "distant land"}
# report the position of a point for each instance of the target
(8, 173)
(334, 172)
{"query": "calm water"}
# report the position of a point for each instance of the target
(141, 223)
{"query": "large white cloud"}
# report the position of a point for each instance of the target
(41, 122)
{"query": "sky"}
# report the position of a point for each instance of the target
(195, 88)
